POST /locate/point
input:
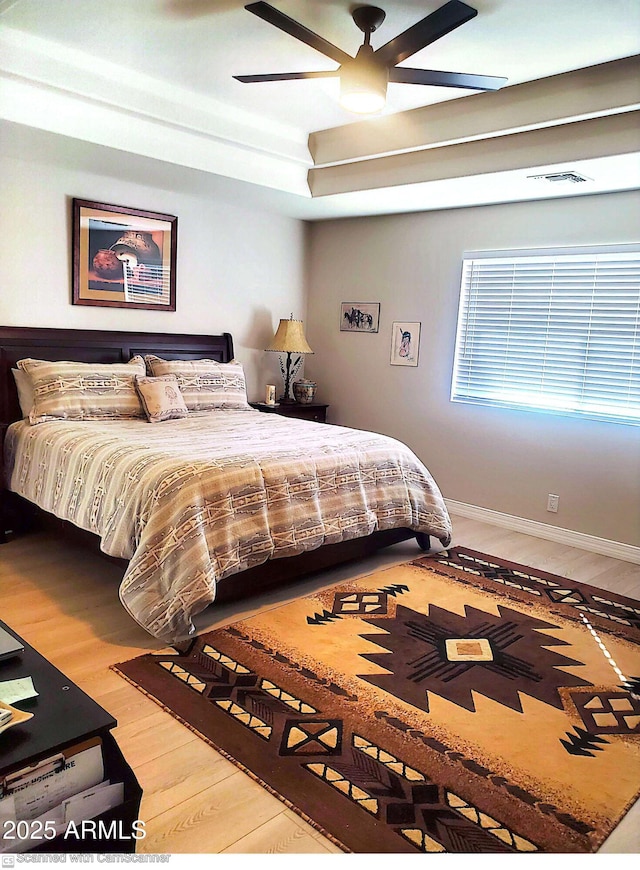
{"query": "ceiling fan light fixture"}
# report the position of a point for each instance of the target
(363, 84)
(363, 102)
(364, 79)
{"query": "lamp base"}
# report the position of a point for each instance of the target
(283, 400)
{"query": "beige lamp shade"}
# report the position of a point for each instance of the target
(289, 338)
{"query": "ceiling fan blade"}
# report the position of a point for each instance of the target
(293, 28)
(282, 77)
(408, 76)
(439, 23)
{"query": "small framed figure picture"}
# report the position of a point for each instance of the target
(359, 316)
(405, 343)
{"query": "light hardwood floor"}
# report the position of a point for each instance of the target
(62, 599)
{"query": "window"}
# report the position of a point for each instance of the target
(555, 331)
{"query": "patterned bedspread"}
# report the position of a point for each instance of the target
(189, 502)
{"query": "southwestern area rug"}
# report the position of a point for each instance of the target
(456, 703)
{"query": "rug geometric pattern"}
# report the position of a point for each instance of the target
(460, 703)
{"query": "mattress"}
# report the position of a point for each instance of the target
(191, 501)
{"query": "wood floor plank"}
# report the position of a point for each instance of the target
(147, 737)
(281, 835)
(313, 832)
(212, 820)
(180, 773)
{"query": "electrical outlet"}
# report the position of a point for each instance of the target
(552, 503)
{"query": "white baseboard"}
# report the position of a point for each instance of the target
(615, 549)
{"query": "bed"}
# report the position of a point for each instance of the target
(211, 501)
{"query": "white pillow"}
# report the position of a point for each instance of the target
(25, 391)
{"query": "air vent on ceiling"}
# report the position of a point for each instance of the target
(573, 177)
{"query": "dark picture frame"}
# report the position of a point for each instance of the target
(123, 257)
(359, 316)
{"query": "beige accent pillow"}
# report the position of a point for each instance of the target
(205, 384)
(83, 391)
(25, 391)
(161, 398)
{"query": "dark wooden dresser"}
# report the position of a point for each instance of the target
(64, 720)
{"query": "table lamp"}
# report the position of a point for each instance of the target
(289, 339)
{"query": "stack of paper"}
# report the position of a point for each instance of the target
(55, 794)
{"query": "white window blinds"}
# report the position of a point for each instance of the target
(552, 331)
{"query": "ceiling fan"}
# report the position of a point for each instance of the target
(363, 79)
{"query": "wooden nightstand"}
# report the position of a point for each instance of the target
(313, 411)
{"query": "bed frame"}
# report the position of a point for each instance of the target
(84, 345)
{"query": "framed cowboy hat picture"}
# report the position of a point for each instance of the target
(123, 257)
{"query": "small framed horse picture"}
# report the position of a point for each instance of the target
(359, 316)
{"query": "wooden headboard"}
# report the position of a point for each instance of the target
(97, 346)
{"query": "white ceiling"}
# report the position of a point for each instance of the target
(85, 68)
(200, 44)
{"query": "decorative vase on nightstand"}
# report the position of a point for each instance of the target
(304, 391)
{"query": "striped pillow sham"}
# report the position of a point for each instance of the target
(205, 384)
(83, 391)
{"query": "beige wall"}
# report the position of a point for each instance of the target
(506, 461)
(239, 269)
